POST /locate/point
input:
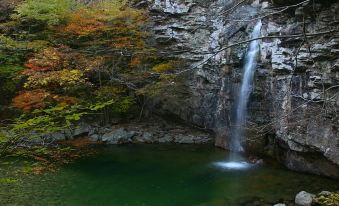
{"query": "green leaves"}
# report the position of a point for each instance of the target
(51, 12)
(7, 181)
(101, 105)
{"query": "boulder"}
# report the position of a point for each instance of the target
(304, 198)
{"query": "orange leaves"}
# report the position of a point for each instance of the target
(136, 61)
(33, 66)
(28, 100)
(39, 98)
(84, 22)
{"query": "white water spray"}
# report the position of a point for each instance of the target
(236, 161)
(245, 90)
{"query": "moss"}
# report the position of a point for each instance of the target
(330, 200)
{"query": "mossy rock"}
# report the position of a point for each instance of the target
(328, 200)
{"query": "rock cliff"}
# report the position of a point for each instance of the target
(293, 107)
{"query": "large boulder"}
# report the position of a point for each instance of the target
(304, 198)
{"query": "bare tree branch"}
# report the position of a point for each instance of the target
(213, 54)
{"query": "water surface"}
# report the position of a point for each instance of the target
(155, 175)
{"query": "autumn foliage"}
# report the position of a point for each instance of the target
(84, 22)
(34, 99)
(81, 54)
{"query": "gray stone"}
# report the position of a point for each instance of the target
(82, 129)
(167, 138)
(280, 204)
(119, 136)
(145, 137)
(324, 193)
(94, 137)
(184, 139)
(286, 84)
(304, 199)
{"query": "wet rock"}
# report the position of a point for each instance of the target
(119, 136)
(280, 204)
(304, 198)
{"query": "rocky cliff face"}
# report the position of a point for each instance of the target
(293, 108)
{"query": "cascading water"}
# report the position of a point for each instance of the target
(245, 90)
(236, 161)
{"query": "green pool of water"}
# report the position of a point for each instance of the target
(160, 175)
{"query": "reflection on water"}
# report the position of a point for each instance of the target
(163, 175)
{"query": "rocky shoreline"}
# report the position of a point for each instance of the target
(151, 131)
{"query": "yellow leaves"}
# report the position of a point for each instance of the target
(163, 67)
(168, 67)
(55, 79)
(68, 78)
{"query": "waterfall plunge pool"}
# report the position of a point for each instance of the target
(154, 175)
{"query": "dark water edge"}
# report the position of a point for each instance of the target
(160, 175)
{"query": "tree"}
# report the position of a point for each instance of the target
(79, 59)
(51, 12)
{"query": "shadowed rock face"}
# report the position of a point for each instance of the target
(294, 102)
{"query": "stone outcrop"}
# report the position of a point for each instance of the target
(293, 109)
(148, 131)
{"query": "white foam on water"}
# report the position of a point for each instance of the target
(233, 165)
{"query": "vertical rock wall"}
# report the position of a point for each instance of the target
(293, 108)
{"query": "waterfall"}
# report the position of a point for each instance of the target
(245, 91)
